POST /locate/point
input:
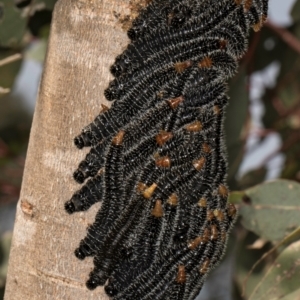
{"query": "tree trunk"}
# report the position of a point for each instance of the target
(86, 35)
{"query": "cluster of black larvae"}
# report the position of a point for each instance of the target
(157, 159)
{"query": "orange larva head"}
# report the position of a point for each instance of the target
(118, 139)
(141, 187)
(175, 102)
(219, 215)
(216, 109)
(194, 127)
(181, 275)
(231, 210)
(199, 163)
(148, 192)
(182, 66)
(206, 148)
(256, 27)
(206, 62)
(223, 191)
(157, 211)
(163, 137)
(202, 202)
(247, 5)
(163, 162)
(193, 244)
(223, 44)
(209, 215)
(173, 200)
(214, 232)
(205, 266)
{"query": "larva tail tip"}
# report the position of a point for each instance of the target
(78, 176)
(69, 207)
(80, 254)
(79, 142)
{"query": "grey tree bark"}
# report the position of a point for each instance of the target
(86, 35)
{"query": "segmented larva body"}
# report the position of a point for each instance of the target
(157, 160)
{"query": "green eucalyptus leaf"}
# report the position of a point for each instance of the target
(12, 25)
(292, 296)
(272, 209)
(245, 258)
(236, 197)
(282, 278)
(1, 11)
(295, 13)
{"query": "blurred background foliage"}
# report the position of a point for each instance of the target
(269, 219)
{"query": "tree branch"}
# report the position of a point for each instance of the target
(84, 41)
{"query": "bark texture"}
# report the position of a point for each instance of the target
(85, 37)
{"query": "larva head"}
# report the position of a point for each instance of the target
(202, 202)
(140, 187)
(231, 210)
(173, 200)
(181, 275)
(199, 163)
(175, 102)
(163, 162)
(219, 215)
(194, 127)
(223, 44)
(193, 244)
(206, 62)
(206, 148)
(148, 192)
(223, 191)
(214, 232)
(209, 215)
(182, 66)
(94, 281)
(247, 5)
(204, 268)
(118, 139)
(163, 137)
(157, 211)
